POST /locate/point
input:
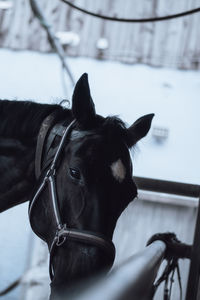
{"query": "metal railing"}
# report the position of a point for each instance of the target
(133, 280)
(169, 187)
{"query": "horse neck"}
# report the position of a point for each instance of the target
(22, 119)
(19, 127)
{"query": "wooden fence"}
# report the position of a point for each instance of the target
(173, 43)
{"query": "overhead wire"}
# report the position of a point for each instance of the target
(132, 20)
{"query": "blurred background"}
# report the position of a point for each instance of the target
(134, 69)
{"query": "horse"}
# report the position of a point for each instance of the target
(75, 169)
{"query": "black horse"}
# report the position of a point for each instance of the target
(94, 182)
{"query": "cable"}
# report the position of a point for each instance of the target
(143, 20)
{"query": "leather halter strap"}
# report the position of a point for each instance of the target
(62, 232)
(50, 179)
(43, 132)
(84, 237)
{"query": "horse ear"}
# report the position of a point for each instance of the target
(139, 129)
(83, 108)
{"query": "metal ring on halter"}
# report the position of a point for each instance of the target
(61, 241)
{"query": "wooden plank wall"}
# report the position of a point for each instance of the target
(173, 43)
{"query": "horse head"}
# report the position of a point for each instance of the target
(94, 184)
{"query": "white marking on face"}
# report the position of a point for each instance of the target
(118, 170)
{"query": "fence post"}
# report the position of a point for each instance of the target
(194, 273)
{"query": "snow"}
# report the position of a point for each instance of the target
(129, 91)
(125, 90)
(15, 237)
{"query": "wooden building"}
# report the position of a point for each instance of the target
(173, 43)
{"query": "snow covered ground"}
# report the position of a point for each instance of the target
(129, 91)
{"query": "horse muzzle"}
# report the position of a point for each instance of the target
(86, 238)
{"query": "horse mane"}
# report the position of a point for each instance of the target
(114, 127)
(22, 119)
(114, 123)
(111, 127)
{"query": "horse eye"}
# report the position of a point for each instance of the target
(74, 173)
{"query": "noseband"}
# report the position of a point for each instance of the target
(63, 233)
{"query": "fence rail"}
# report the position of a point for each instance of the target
(131, 281)
(169, 187)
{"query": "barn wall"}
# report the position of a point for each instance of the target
(173, 43)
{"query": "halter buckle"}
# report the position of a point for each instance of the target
(60, 240)
(50, 172)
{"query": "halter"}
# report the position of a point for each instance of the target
(63, 233)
